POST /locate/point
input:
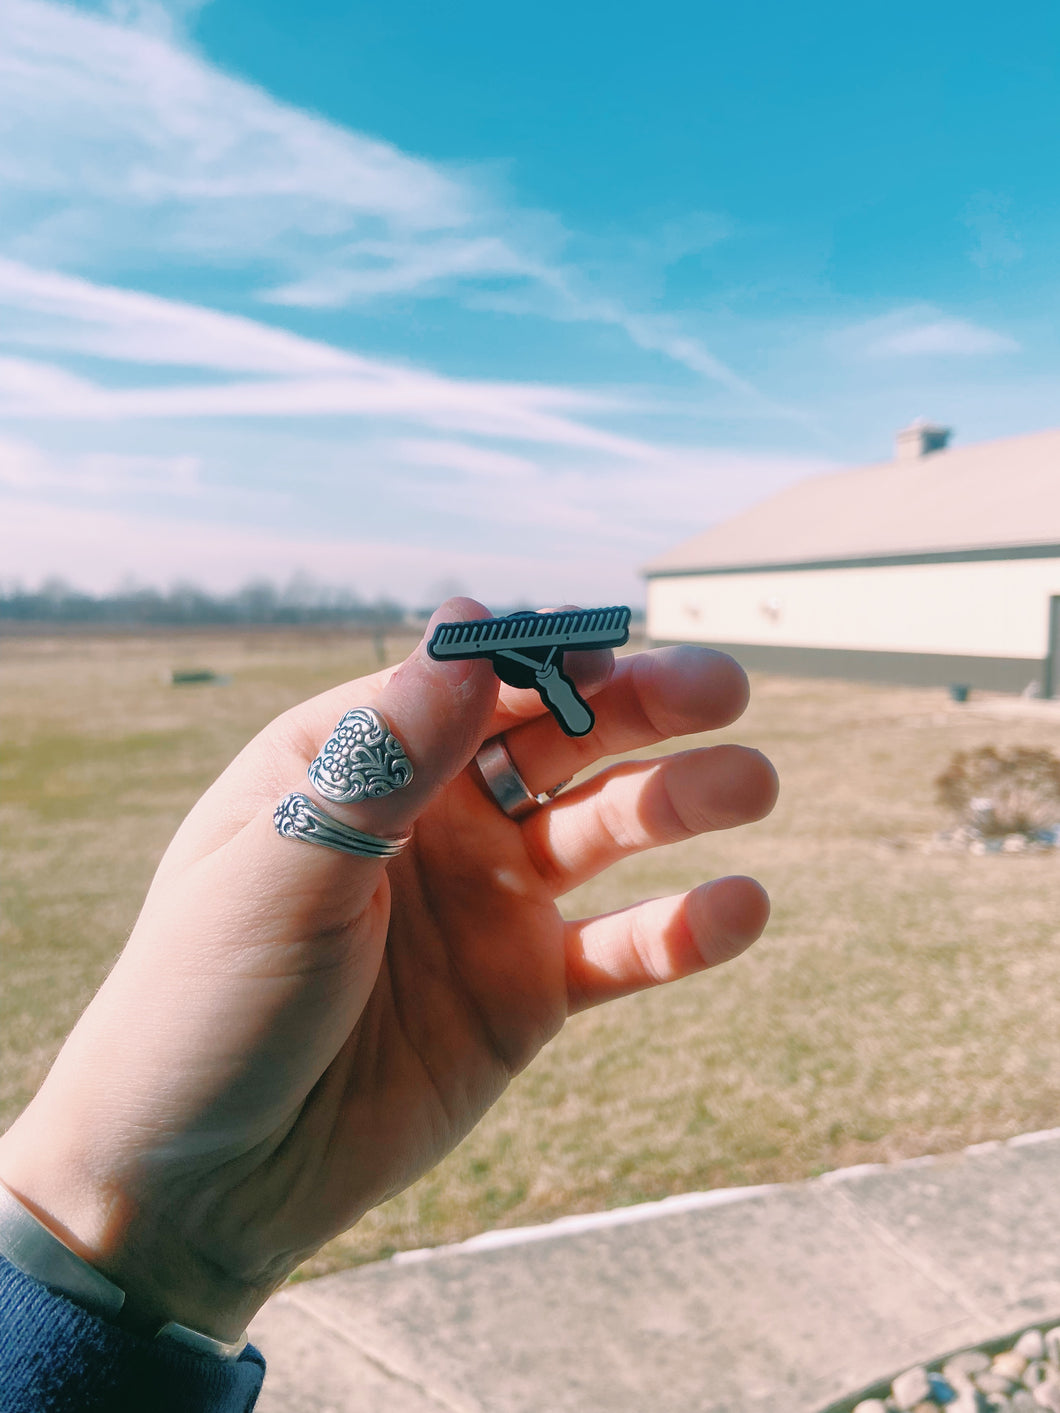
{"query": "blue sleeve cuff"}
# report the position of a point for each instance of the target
(56, 1356)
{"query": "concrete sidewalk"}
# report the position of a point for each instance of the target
(763, 1300)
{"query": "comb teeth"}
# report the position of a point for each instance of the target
(578, 628)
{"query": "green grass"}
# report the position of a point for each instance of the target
(902, 1002)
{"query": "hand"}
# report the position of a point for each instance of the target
(292, 1034)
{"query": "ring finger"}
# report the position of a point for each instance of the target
(640, 805)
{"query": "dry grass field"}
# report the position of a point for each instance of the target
(902, 1001)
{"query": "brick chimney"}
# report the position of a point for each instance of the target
(919, 439)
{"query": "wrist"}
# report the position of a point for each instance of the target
(162, 1276)
(167, 1280)
(32, 1248)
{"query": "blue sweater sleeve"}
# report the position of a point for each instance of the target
(57, 1358)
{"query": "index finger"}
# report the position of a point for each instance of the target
(651, 697)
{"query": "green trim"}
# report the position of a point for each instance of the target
(879, 561)
(987, 674)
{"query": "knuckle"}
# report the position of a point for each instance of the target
(615, 824)
(644, 944)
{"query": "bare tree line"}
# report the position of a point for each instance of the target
(257, 602)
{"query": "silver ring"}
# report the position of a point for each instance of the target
(297, 817)
(505, 783)
(362, 759)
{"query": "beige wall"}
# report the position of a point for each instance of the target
(995, 608)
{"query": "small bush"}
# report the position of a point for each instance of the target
(996, 793)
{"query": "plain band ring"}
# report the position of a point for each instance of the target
(505, 783)
(297, 817)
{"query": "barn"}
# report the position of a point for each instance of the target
(939, 567)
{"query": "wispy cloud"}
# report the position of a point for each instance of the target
(68, 314)
(372, 268)
(129, 142)
(165, 19)
(445, 448)
(922, 331)
(110, 117)
(299, 377)
(24, 467)
(467, 459)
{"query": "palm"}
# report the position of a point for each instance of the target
(486, 937)
(470, 985)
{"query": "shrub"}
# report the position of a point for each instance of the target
(996, 792)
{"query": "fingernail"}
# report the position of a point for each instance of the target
(454, 671)
(362, 759)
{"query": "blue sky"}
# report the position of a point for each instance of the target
(406, 297)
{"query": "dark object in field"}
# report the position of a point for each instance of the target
(996, 793)
(526, 650)
(187, 679)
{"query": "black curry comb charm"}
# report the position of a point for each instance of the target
(526, 650)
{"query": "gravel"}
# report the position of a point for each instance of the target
(1017, 1374)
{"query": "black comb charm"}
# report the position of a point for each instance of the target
(526, 650)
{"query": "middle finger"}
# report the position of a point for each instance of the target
(651, 697)
(640, 805)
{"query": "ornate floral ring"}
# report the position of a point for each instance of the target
(362, 759)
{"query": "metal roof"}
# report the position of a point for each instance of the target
(990, 496)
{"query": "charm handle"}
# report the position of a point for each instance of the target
(564, 702)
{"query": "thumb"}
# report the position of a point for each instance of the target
(437, 714)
